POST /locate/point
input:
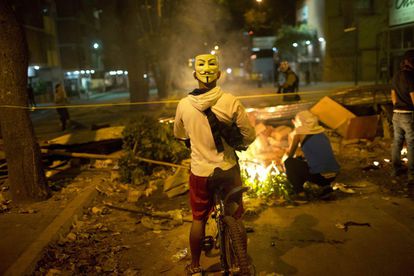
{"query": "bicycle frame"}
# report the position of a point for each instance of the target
(218, 216)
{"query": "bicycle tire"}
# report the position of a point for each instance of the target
(235, 247)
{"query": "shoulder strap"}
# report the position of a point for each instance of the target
(214, 125)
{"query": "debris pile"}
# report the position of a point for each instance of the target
(91, 247)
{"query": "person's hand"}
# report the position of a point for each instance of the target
(284, 157)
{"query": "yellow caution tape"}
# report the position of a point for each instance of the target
(153, 102)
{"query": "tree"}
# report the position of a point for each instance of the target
(25, 172)
(287, 35)
(123, 43)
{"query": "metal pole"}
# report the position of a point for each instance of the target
(356, 48)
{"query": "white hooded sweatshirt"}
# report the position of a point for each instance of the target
(191, 123)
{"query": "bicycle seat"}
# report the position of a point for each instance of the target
(235, 194)
(218, 179)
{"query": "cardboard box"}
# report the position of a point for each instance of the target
(344, 122)
(361, 127)
(332, 114)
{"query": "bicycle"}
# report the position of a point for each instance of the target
(231, 238)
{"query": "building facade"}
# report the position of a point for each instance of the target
(397, 38)
(64, 45)
(352, 29)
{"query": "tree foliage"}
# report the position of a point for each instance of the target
(287, 35)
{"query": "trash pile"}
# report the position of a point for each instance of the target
(91, 247)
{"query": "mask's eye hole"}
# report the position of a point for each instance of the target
(200, 64)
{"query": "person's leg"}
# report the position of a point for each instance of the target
(297, 172)
(408, 126)
(197, 233)
(201, 204)
(62, 118)
(397, 143)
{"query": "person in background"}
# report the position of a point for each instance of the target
(30, 96)
(61, 99)
(290, 83)
(402, 96)
(192, 123)
(319, 165)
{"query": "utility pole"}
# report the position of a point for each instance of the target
(159, 8)
(356, 49)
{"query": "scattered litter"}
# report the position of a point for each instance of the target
(249, 229)
(351, 223)
(131, 272)
(370, 167)
(53, 272)
(134, 195)
(265, 273)
(342, 188)
(71, 236)
(27, 211)
(100, 210)
(180, 255)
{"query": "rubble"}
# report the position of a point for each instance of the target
(180, 255)
(177, 184)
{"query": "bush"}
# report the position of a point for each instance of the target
(147, 138)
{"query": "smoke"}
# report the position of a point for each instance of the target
(201, 27)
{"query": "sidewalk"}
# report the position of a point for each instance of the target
(28, 228)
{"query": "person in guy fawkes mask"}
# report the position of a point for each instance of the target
(402, 96)
(208, 149)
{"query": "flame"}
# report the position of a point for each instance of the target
(258, 171)
(404, 151)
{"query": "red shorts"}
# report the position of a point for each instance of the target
(201, 199)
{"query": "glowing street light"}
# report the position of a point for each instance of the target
(259, 1)
(295, 44)
(95, 45)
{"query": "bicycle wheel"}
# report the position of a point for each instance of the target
(235, 247)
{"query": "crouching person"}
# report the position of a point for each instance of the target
(318, 165)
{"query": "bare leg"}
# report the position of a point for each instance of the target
(197, 233)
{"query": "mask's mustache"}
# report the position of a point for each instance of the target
(206, 73)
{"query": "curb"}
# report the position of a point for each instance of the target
(26, 263)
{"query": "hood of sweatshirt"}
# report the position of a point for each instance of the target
(202, 100)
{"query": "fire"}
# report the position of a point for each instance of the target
(264, 180)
